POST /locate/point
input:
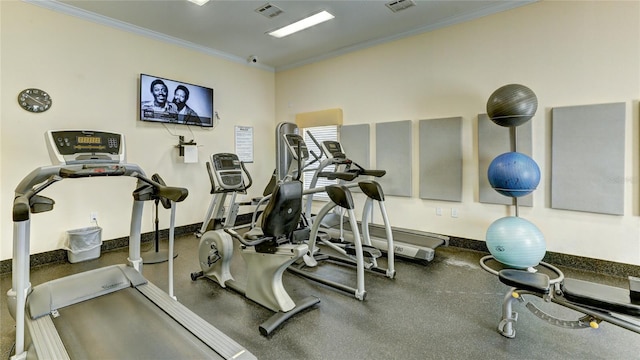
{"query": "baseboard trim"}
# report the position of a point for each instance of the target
(60, 255)
(604, 267)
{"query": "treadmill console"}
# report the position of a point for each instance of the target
(333, 149)
(68, 147)
(227, 170)
(295, 141)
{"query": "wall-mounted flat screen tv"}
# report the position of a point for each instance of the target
(169, 101)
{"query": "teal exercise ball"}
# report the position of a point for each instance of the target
(512, 105)
(515, 242)
(513, 174)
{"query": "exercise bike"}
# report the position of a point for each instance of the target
(596, 302)
(267, 249)
(228, 174)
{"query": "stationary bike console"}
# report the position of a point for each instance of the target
(227, 170)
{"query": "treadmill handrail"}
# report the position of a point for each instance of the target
(41, 174)
(22, 203)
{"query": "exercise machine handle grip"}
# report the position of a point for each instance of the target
(244, 241)
(88, 171)
(213, 183)
(317, 143)
(22, 202)
(332, 175)
(376, 173)
(244, 169)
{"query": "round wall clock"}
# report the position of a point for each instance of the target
(34, 100)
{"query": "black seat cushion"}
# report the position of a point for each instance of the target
(603, 297)
(525, 280)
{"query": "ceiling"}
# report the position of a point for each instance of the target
(235, 30)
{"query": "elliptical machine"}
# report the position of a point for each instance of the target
(267, 249)
(359, 252)
(409, 244)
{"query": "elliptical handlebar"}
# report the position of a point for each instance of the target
(244, 169)
(316, 158)
(322, 153)
(213, 182)
(362, 171)
(332, 175)
(299, 159)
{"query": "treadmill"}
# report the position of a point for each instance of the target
(409, 244)
(111, 312)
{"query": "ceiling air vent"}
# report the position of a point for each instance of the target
(398, 5)
(269, 10)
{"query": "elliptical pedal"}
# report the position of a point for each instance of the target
(367, 250)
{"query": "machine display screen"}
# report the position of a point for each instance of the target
(227, 163)
(85, 147)
(70, 142)
(92, 140)
(332, 146)
(293, 140)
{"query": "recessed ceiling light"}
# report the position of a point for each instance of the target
(302, 24)
(199, 2)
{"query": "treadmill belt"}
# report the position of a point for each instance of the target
(125, 325)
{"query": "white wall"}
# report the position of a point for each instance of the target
(91, 71)
(569, 53)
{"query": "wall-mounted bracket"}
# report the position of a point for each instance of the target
(182, 143)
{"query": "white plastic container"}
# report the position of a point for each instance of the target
(84, 244)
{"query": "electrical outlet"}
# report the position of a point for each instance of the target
(454, 212)
(439, 211)
(93, 216)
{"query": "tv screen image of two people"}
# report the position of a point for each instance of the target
(169, 101)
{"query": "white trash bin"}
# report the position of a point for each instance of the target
(84, 244)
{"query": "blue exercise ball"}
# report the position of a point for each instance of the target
(513, 174)
(516, 242)
(512, 105)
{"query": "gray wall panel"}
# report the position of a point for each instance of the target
(393, 154)
(355, 141)
(587, 150)
(494, 140)
(440, 159)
